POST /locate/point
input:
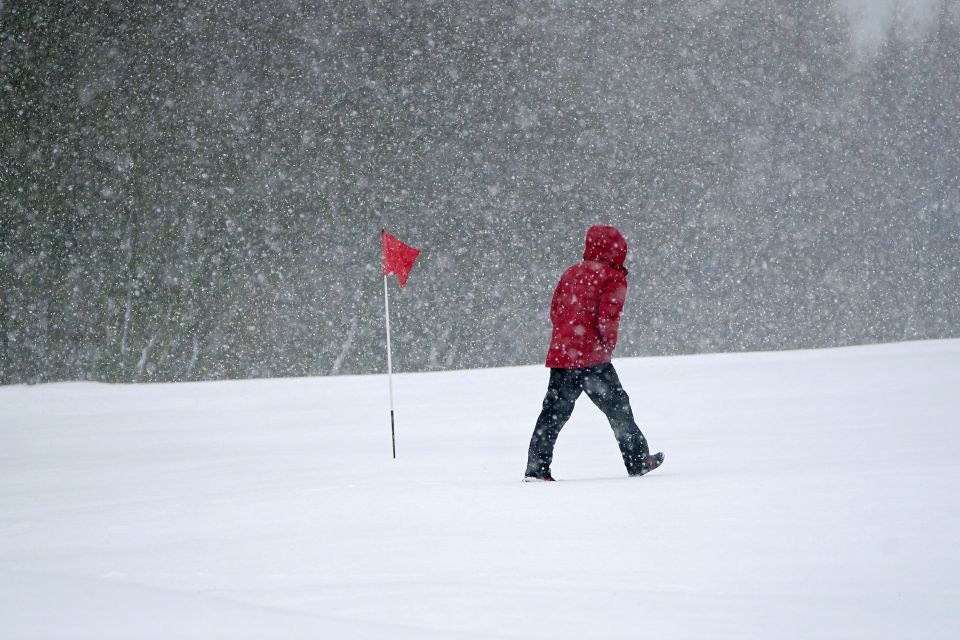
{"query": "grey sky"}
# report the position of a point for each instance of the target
(869, 19)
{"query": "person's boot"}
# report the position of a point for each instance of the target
(648, 464)
(530, 477)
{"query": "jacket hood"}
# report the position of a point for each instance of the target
(606, 244)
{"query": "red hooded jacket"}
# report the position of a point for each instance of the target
(587, 303)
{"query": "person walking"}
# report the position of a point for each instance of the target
(585, 312)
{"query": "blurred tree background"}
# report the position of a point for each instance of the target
(194, 190)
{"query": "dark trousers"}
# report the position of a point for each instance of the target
(603, 387)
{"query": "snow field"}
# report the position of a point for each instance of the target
(807, 494)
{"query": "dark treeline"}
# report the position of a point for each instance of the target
(194, 190)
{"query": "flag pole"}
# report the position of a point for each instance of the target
(386, 307)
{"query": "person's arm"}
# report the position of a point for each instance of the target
(555, 303)
(608, 312)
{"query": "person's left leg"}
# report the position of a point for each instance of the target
(602, 385)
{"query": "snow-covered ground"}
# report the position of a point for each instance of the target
(805, 495)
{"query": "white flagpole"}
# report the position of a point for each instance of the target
(386, 306)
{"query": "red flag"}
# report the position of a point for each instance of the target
(398, 257)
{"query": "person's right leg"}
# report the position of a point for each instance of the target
(562, 392)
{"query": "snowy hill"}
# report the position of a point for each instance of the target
(805, 495)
